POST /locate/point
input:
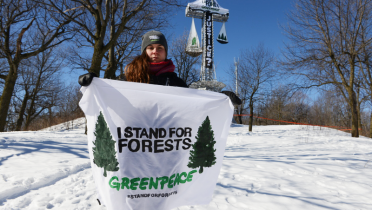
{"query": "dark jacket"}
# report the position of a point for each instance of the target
(166, 79)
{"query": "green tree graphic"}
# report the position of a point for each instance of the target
(222, 37)
(194, 41)
(202, 153)
(104, 151)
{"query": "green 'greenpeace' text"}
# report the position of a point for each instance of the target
(151, 182)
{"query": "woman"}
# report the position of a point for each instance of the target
(152, 66)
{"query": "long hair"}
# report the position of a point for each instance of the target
(137, 70)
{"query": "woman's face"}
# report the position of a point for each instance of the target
(156, 52)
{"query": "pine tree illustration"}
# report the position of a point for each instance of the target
(222, 37)
(202, 153)
(104, 151)
(194, 41)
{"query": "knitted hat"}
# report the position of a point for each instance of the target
(154, 37)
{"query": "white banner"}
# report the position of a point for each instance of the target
(208, 5)
(152, 146)
(208, 38)
(193, 45)
(222, 36)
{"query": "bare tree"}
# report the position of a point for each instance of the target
(298, 107)
(255, 72)
(325, 43)
(126, 47)
(40, 80)
(186, 65)
(277, 102)
(70, 109)
(65, 111)
(26, 29)
(240, 109)
(102, 23)
(365, 66)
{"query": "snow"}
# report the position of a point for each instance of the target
(273, 167)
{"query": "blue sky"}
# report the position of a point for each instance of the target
(250, 22)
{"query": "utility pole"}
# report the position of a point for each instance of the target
(236, 63)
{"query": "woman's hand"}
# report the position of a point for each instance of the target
(86, 79)
(234, 98)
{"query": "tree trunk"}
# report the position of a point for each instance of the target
(359, 120)
(354, 115)
(28, 121)
(31, 110)
(50, 115)
(110, 72)
(201, 170)
(97, 59)
(280, 112)
(240, 114)
(236, 111)
(251, 115)
(112, 63)
(370, 127)
(22, 112)
(358, 109)
(7, 95)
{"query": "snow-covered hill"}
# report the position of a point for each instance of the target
(274, 167)
(69, 125)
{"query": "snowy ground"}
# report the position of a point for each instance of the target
(274, 167)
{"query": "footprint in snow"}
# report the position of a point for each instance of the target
(59, 200)
(28, 182)
(231, 200)
(23, 203)
(4, 177)
(290, 190)
(220, 206)
(288, 173)
(80, 194)
(258, 166)
(319, 169)
(342, 193)
(238, 177)
(44, 201)
(255, 187)
(49, 206)
(329, 187)
(352, 171)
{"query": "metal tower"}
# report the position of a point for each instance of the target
(208, 11)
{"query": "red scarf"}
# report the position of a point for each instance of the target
(161, 67)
